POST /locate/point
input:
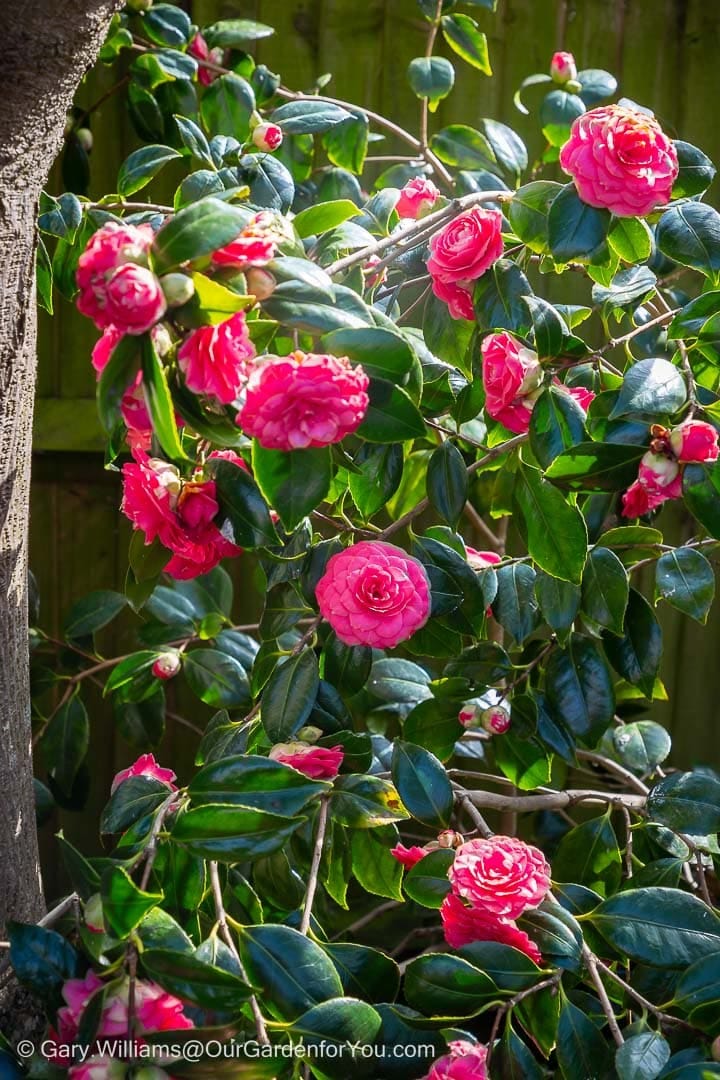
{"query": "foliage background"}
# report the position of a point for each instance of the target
(664, 53)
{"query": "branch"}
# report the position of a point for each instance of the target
(666, 316)
(418, 229)
(495, 452)
(640, 999)
(555, 800)
(315, 864)
(592, 966)
(260, 1029)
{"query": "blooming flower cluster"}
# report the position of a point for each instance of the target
(660, 471)
(216, 360)
(460, 253)
(373, 593)
(179, 513)
(495, 719)
(255, 244)
(512, 377)
(303, 400)
(154, 1010)
(494, 881)
(620, 160)
(116, 286)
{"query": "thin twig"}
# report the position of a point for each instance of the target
(591, 964)
(149, 852)
(477, 521)
(473, 813)
(224, 929)
(315, 864)
(509, 1005)
(640, 999)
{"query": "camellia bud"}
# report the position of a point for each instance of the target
(495, 720)
(94, 914)
(310, 734)
(563, 68)
(260, 283)
(469, 715)
(161, 339)
(167, 665)
(267, 137)
(715, 1049)
(85, 137)
(448, 838)
(177, 289)
(695, 440)
(371, 275)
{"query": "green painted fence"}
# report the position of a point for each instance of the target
(665, 54)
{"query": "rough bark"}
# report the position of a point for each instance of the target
(47, 47)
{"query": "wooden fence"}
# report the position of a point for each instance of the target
(665, 54)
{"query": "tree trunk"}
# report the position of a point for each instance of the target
(47, 47)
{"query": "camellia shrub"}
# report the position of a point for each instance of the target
(438, 410)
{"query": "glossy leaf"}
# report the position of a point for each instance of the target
(657, 926)
(422, 784)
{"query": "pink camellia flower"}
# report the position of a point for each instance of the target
(373, 593)
(417, 198)
(481, 560)
(199, 48)
(658, 480)
(111, 247)
(512, 375)
(134, 300)
(408, 856)
(98, 1068)
(463, 925)
(167, 665)
(155, 1010)
(466, 1061)
(103, 348)
(255, 245)
(317, 762)
(134, 411)
(563, 67)
(146, 765)
(581, 394)
(215, 360)
(694, 440)
(458, 299)
(620, 159)
(467, 246)
(495, 720)
(304, 400)
(500, 874)
(267, 137)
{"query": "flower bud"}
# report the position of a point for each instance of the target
(85, 137)
(658, 470)
(448, 838)
(167, 665)
(267, 137)
(495, 720)
(469, 715)
(372, 277)
(563, 68)
(177, 288)
(309, 734)
(715, 1049)
(694, 440)
(161, 339)
(260, 283)
(94, 914)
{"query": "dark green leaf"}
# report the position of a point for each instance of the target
(443, 985)
(65, 743)
(365, 973)
(255, 782)
(195, 981)
(344, 1023)
(41, 959)
(427, 882)
(364, 802)
(158, 400)
(380, 472)
(232, 833)
(556, 531)
(642, 1057)
(244, 516)
(124, 905)
(294, 482)
(463, 36)
(134, 798)
(605, 589)
(227, 106)
(515, 606)
(595, 466)
(686, 580)
(690, 234)
(641, 745)
(687, 802)
(289, 696)
(447, 482)
(374, 867)
(499, 298)
(659, 927)
(217, 679)
(575, 230)
(141, 166)
(93, 612)
(696, 171)
(651, 388)
(198, 230)
(294, 972)
(431, 77)
(589, 854)
(581, 1049)
(308, 117)
(422, 784)
(579, 689)
(528, 212)
(391, 416)
(636, 655)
